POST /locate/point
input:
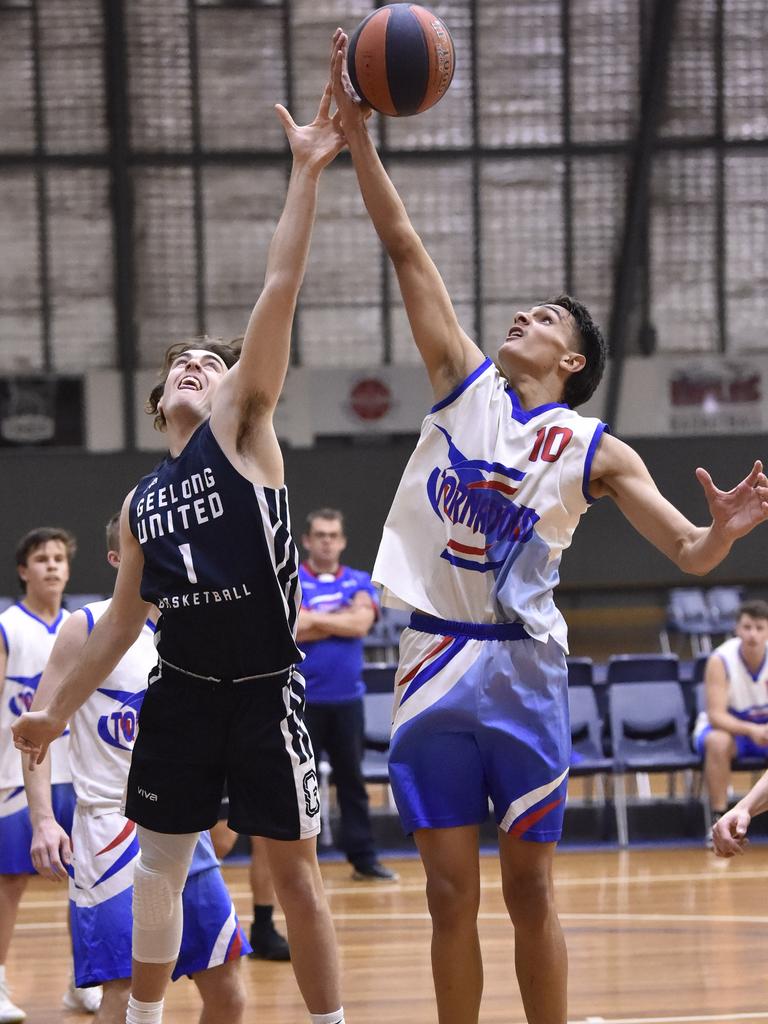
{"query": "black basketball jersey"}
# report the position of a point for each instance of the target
(219, 563)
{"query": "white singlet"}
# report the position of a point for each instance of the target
(28, 642)
(487, 503)
(104, 728)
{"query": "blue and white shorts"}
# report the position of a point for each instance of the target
(745, 747)
(481, 713)
(16, 828)
(106, 849)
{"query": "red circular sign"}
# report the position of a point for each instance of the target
(370, 398)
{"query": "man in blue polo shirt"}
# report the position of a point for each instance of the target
(339, 606)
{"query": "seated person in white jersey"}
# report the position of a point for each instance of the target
(735, 723)
(105, 843)
(206, 538)
(502, 472)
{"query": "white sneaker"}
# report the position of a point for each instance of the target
(84, 1000)
(9, 1013)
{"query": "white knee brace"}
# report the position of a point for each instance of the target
(157, 883)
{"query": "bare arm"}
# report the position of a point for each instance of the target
(448, 353)
(354, 621)
(113, 634)
(620, 473)
(242, 414)
(50, 849)
(308, 628)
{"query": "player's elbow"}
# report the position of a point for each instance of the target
(402, 243)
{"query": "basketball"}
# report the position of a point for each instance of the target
(401, 59)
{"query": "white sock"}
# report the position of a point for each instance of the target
(337, 1017)
(143, 1013)
(2, 974)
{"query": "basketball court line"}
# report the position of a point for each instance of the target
(503, 916)
(719, 1018)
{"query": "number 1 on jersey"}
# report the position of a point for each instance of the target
(186, 554)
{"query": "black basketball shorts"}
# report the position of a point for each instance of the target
(197, 736)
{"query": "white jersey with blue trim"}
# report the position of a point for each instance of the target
(104, 728)
(28, 643)
(487, 503)
(747, 690)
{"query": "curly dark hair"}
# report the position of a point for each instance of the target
(228, 351)
(581, 386)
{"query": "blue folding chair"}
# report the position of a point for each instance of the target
(649, 733)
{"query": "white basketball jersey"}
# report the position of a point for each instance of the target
(487, 503)
(747, 693)
(28, 642)
(104, 728)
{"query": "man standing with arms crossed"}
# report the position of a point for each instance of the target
(339, 606)
(206, 539)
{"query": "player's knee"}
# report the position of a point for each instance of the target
(298, 885)
(529, 897)
(718, 743)
(157, 916)
(452, 899)
(226, 999)
(13, 886)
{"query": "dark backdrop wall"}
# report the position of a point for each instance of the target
(80, 492)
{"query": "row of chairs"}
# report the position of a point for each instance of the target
(635, 721)
(699, 615)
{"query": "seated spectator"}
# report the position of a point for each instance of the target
(735, 723)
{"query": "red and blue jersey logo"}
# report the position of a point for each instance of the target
(477, 499)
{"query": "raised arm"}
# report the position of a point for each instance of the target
(448, 353)
(50, 849)
(113, 634)
(242, 412)
(620, 473)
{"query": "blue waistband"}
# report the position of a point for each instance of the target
(476, 630)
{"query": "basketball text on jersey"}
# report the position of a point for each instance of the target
(219, 564)
(164, 510)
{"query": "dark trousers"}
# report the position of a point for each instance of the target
(337, 730)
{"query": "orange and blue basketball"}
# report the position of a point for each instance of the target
(401, 59)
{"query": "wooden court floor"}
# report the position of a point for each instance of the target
(654, 935)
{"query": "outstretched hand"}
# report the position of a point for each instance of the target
(354, 111)
(736, 512)
(317, 143)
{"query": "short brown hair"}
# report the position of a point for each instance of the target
(755, 608)
(323, 513)
(228, 351)
(39, 536)
(113, 533)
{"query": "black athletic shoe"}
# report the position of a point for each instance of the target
(375, 872)
(269, 945)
